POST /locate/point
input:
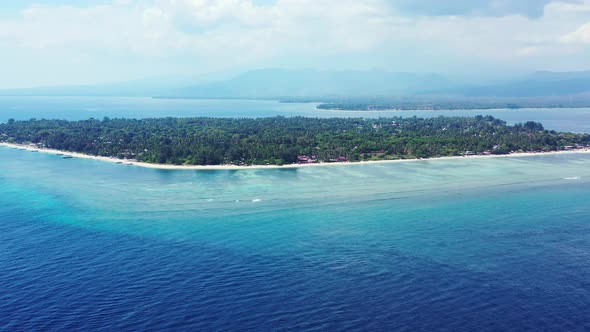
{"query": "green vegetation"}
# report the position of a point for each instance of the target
(446, 103)
(279, 140)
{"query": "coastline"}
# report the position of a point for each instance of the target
(237, 167)
(317, 108)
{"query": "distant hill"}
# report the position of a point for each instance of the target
(330, 85)
(280, 83)
(540, 84)
(137, 88)
(116, 89)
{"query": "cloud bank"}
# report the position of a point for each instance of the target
(63, 42)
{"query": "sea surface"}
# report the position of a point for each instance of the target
(458, 245)
(81, 108)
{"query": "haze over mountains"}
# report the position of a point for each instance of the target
(542, 83)
(325, 84)
(308, 83)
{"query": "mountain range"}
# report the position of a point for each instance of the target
(324, 84)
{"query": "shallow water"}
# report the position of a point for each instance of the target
(486, 244)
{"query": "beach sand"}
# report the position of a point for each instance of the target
(237, 167)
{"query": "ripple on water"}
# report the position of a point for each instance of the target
(491, 245)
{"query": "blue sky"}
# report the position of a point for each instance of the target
(57, 42)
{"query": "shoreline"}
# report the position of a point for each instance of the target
(237, 167)
(317, 108)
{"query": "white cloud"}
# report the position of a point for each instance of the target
(581, 7)
(581, 35)
(143, 38)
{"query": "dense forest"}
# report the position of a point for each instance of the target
(280, 140)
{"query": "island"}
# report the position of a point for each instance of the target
(449, 103)
(282, 140)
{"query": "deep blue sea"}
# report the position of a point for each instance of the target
(482, 244)
(457, 245)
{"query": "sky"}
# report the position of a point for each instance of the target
(59, 42)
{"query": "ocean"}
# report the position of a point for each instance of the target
(482, 244)
(486, 244)
(81, 108)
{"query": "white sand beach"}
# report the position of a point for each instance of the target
(237, 167)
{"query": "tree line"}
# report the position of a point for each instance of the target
(280, 140)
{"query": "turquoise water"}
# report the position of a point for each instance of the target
(469, 244)
(79, 108)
